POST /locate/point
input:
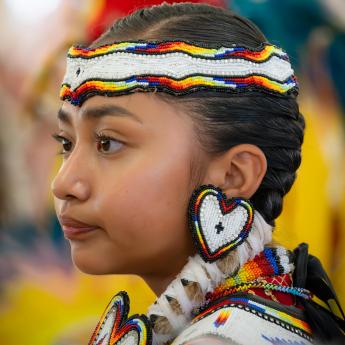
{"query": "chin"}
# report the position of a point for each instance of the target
(93, 263)
(89, 268)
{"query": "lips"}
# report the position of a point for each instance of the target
(74, 228)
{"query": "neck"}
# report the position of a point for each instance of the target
(158, 281)
(158, 284)
(167, 271)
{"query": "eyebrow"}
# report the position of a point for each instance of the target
(99, 112)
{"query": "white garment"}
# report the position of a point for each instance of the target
(254, 325)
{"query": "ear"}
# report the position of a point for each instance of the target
(239, 171)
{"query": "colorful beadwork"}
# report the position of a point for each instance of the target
(271, 262)
(175, 67)
(115, 329)
(218, 225)
(279, 317)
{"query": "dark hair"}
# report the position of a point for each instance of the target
(273, 123)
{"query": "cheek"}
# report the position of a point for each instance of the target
(149, 206)
(151, 196)
(144, 215)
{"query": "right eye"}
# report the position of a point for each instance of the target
(65, 143)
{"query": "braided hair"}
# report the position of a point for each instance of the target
(271, 122)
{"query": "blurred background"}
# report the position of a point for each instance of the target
(43, 299)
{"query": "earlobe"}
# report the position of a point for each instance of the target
(239, 171)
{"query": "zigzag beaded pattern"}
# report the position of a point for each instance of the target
(271, 261)
(175, 67)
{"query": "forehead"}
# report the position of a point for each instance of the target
(143, 108)
(98, 107)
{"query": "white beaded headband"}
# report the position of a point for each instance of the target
(175, 67)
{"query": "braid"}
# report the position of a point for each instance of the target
(280, 176)
(272, 123)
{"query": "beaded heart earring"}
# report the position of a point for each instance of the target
(218, 224)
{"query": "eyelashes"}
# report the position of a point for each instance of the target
(64, 142)
(105, 144)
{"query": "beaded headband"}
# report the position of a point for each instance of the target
(175, 67)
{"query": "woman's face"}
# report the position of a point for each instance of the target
(126, 174)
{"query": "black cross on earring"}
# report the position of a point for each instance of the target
(219, 227)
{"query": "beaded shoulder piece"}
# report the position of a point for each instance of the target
(247, 319)
(175, 67)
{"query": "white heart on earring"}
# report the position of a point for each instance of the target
(218, 225)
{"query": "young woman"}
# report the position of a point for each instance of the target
(181, 134)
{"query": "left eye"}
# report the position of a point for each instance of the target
(108, 145)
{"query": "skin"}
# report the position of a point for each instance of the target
(136, 186)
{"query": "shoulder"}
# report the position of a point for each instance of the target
(245, 319)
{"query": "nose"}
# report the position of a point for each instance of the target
(71, 181)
